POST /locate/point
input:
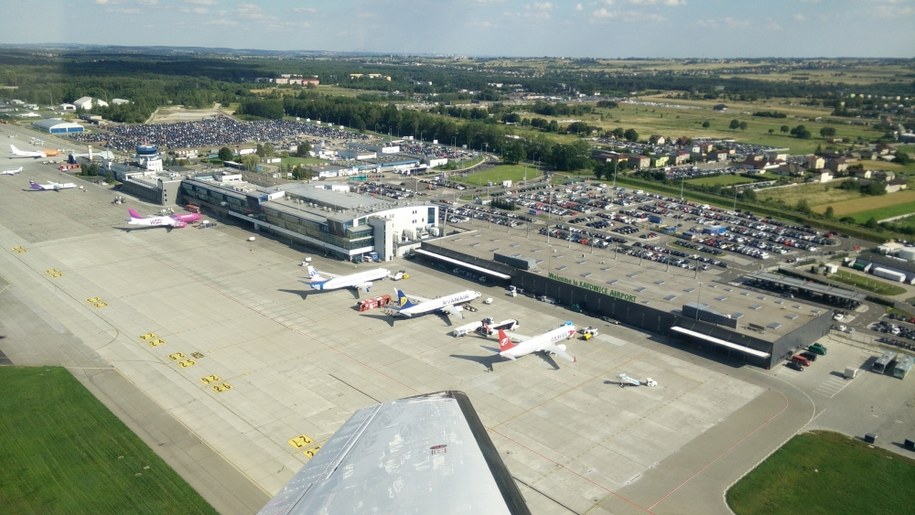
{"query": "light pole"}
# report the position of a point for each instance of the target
(698, 299)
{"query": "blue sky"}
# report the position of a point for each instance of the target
(588, 28)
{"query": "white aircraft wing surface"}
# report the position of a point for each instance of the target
(561, 352)
(424, 454)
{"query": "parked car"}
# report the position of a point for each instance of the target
(797, 358)
(809, 355)
(795, 366)
(816, 348)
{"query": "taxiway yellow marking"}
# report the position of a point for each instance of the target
(219, 388)
(187, 363)
(97, 302)
(301, 441)
(53, 272)
(310, 453)
(210, 379)
(177, 356)
(18, 249)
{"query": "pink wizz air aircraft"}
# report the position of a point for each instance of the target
(170, 221)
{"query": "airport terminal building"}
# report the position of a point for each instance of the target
(327, 218)
(739, 319)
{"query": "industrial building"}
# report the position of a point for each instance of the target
(58, 126)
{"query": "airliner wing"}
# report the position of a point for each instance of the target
(561, 352)
(424, 454)
(453, 310)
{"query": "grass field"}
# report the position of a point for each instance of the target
(867, 283)
(880, 207)
(62, 451)
(721, 180)
(818, 196)
(823, 472)
(499, 173)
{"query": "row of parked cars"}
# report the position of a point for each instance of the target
(806, 358)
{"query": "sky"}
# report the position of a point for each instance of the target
(519, 28)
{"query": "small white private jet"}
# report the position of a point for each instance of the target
(358, 281)
(11, 172)
(626, 380)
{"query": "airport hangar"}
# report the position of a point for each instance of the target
(734, 322)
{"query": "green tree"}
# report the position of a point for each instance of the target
(743, 126)
(902, 158)
(631, 135)
(226, 154)
(735, 123)
(302, 149)
(784, 129)
(830, 213)
(706, 124)
(828, 132)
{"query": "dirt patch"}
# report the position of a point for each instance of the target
(175, 114)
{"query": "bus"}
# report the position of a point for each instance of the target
(903, 366)
(884, 361)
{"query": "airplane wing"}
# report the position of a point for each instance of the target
(424, 454)
(516, 337)
(453, 310)
(560, 351)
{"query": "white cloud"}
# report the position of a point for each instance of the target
(579, 7)
(799, 17)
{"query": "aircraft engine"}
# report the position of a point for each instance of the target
(181, 224)
(561, 346)
(368, 285)
(458, 308)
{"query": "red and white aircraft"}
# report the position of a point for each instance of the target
(170, 221)
(546, 342)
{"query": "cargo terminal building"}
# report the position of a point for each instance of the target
(329, 219)
(698, 309)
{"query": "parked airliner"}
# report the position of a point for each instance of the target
(170, 221)
(357, 281)
(545, 342)
(34, 154)
(447, 305)
(11, 172)
(52, 186)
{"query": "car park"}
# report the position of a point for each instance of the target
(809, 356)
(816, 348)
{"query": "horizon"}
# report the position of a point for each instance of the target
(594, 29)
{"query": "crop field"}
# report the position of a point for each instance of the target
(823, 472)
(818, 196)
(879, 207)
(64, 452)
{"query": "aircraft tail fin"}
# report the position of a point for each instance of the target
(402, 300)
(134, 214)
(313, 274)
(14, 149)
(34, 185)
(505, 342)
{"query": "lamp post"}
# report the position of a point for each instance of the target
(698, 299)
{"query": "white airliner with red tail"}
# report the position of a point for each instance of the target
(170, 221)
(546, 342)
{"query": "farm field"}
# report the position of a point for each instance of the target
(880, 207)
(64, 452)
(823, 472)
(817, 196)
